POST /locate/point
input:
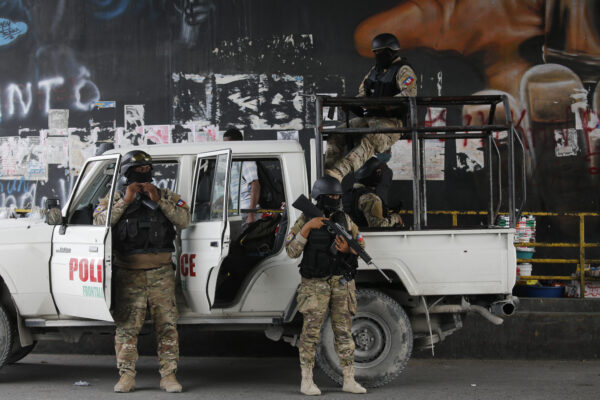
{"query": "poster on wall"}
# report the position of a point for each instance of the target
(80, 149)
(103, 121)
(205, 133)
(133, 117)
(287, 135)
(157, 134)
(22, 158)
(58, 122)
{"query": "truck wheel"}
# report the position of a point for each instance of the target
(7, 335)
(383, 338)
(21, 353)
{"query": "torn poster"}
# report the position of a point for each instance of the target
(157, 134)
(134, 116)
(103, 121)
(22, 158)
(287, 135)
(206, 133)
(566, 142)
(80, 149)
(58, 122)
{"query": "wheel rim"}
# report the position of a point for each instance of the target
(371, 339)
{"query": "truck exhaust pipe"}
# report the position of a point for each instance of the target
(505, 308)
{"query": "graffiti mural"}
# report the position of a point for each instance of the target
(184, 71)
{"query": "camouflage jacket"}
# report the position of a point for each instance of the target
(295, 242)
(173, 207)
(372, 208)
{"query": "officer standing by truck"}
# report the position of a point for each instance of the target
(327, 282)
(143, 224)
(391, 76)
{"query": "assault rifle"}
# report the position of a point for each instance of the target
(311, 211)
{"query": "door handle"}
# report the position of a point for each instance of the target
(214, 244)
(93, 249)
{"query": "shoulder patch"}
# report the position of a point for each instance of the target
(289, 237)
(408, 81)
(180, 203)
(100, 208)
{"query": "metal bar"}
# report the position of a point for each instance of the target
(497, 210)
(555, 260)
(319, 136)
(423, 181)
(423, 130)
(547, 277)
(523, 172)
(511, 165)
(488, 156)
(447, 100)
(582, 255)
(540, 244)
(416, 165)
(454, 219)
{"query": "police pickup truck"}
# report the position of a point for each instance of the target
(56, 279)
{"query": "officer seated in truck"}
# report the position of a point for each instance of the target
(367, 208)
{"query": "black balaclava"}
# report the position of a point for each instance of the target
(138, 177)
(384, 58)
(328, 205)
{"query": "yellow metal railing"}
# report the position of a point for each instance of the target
(581, 261)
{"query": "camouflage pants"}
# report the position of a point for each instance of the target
(135, 291)
(338, 166)
(314, 297)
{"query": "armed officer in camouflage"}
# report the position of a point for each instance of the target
(368, 209)
(391, 76)
(327, 282)
(143, 224)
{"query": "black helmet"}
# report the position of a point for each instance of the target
(326, 185)
(385, 41)
(134, 158)
(367, 174)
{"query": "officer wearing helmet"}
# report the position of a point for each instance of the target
(391, 76)
(368, 209)
(322, 286)
(143, 221)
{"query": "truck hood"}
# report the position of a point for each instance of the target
(24, 231)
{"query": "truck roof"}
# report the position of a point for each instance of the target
(262, 147)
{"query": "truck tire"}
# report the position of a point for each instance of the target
(7, 335)
(383, 337)
(20, 353)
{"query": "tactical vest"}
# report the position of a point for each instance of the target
(358, 216)
(141, 230)
(383, 83)
(318, 261)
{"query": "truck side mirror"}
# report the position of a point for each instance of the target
(53, 212)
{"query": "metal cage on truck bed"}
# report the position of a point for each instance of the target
(417, 132)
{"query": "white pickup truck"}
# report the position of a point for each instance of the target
(56, 279)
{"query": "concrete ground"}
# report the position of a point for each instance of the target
(49, 376)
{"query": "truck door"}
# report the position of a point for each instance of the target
(80, 267)
(205, 243)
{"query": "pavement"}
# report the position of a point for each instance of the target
(52, 376)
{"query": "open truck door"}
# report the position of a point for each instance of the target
(205, 243)
(80, 265)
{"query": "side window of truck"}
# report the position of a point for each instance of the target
(94, 184)
(208, 199)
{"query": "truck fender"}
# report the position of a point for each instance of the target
(399, 268)
(25, 336)
(5, 277)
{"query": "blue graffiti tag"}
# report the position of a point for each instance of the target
(9, 30)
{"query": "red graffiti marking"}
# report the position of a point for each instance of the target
(85, 269)
(187, 265)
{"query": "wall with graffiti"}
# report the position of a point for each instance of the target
(77, 76)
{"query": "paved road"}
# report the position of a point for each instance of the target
(46, 377)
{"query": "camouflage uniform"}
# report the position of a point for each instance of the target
(338, 167)
(371, 206)
(147, 280)
(316, 295)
